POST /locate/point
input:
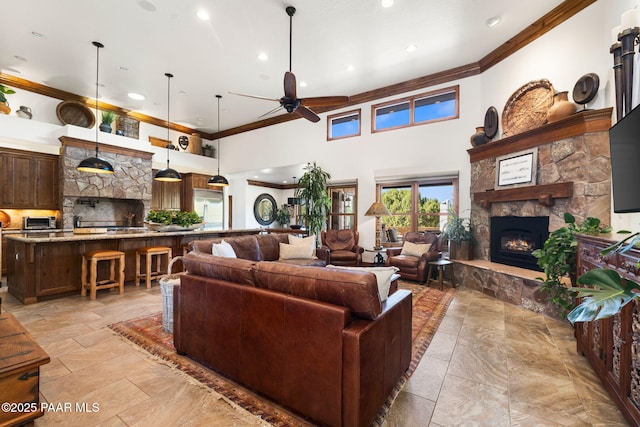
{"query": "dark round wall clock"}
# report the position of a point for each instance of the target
(491, 122)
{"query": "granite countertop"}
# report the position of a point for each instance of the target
(70, 236)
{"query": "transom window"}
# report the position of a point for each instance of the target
(343, 125)
(416, 110)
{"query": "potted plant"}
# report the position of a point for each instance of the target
(458, 233)
(208, 150)
(4, 104)
(312, 190)
(558, 259)
(107, 118)
(282, 216)
(164, 220)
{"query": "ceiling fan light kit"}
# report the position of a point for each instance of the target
(168, 174)
(96, 164)
(290, 102)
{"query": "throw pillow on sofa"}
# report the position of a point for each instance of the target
(300, 251)
(415, 249)
(309, 240)
(223, 249)
(383, 276)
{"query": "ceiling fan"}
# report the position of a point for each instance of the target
(290, 101)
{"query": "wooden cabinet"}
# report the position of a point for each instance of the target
(28, 180)
(193, 181)
(165, 195)
(19, 373)
(612, 346)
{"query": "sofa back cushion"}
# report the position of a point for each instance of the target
(340, 240)
(230, 269)
(358, 291)
(270, 245)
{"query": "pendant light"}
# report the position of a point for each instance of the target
(218, 179)
(168, 174)
(96, 164)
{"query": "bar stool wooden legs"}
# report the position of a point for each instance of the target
(150, 273)
(92, 283)
(441, 264)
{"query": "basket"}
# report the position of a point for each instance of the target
(166, 288)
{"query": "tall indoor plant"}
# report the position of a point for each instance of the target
(312, 190)
(558, 259)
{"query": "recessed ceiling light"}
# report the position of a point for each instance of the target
(147, 5)
(136, 96)
(412, 48)
(262, 56)
(350, 68)
(303, 84)
(203, 14)
(493, 21)
(386, 3)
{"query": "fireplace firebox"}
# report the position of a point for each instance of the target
(514, 238)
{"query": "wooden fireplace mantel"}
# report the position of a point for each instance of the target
(577, 124)
(544, 194)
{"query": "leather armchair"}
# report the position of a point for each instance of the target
(342, 247)
(415, 267)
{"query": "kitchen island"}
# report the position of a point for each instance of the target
(47, 265)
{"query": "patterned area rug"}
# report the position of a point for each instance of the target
(429, 307)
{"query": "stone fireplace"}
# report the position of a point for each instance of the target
(573, 171)
(104, 200)
(514, 238)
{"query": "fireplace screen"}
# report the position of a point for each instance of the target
(514, 238)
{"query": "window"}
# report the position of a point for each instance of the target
(416, 110)
(421, 205)
(343, 212)
(343, 125)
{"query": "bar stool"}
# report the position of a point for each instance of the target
(441, 264)
(149, 252)
(92, 283)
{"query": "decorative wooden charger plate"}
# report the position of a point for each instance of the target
(75, 113)
(527, 108)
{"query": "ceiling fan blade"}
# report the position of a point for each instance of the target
(255, 96)
(324, 101)
(289, 85)
(279, 107)
(308, 114)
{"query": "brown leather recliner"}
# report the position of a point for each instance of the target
(415, 267)
(342, 246)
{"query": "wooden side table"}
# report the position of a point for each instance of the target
(20, 361)
(441, 264)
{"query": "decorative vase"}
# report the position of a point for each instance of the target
(105, 127)
(4, 108)
(479, 137)
(195, 144)
(561, 107)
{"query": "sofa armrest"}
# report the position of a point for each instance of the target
(322, 253)
(357, 249)
(430, 256)
(393, 251)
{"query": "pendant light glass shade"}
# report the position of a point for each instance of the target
(96, 164)
(218, 179)
(168, 174)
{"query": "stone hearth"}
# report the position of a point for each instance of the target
(128, 190)
(573, 175)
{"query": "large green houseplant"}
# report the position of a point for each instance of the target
(312, 191)
(458, 233)
(558, 259)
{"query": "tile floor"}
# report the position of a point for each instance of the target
(490, 364)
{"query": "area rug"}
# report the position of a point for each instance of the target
(429, 307)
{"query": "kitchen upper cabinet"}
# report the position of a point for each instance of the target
(165, 195)
(28, 180)
(194, 181)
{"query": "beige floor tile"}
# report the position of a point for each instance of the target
(409, 410)
(427, 379)
(441, 346)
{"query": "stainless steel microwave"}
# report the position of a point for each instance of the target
(39, 222)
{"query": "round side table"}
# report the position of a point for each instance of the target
(441, 264)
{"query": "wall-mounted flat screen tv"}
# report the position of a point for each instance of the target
(624, 139)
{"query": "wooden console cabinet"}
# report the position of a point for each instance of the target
(20, 361)
(612, 346)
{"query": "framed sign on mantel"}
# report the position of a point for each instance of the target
(517, 169)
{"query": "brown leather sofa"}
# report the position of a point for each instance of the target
(315, 340)
(415, 267)
(260, 247)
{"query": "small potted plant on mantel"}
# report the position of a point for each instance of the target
(208, 150)
(107, 118)
(4, 104)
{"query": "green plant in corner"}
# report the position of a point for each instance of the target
(558, 259)
(458, 233)
(312, 190)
